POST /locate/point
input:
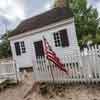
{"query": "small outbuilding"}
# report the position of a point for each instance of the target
(58, 27)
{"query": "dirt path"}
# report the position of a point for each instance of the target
(25, 91)
(17, 92)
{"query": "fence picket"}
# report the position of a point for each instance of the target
(8, 70)
(81, 67)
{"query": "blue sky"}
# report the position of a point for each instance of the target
(12, 12)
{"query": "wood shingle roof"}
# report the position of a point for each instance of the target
(53, 16)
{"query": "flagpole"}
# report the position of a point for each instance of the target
(51, 70)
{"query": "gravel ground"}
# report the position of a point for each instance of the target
(28, 90)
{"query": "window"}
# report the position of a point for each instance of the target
(64, 38)
(57, 39)
(61, 38)
(23, 47)
(17, 48)
(39, 49)
(20, 48)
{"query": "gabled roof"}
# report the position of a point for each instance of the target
(53, 16)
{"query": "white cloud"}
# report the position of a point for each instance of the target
(37, 8)
(95, 4)
(15, 11)
(12, 9)
(20, 9)
(47, 6)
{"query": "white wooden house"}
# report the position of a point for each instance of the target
(58, 27)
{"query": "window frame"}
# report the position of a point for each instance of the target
(22, 48)
(61, 41)
(39, 53)
(64, 38)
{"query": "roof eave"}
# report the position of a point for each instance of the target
(66, 21)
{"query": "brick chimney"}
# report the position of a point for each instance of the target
(60, 3)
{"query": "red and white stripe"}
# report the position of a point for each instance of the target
(51, 55)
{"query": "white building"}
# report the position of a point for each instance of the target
(57, 25)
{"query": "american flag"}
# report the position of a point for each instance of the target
(51, 56)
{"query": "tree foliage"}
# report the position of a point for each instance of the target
(86, 21)
(5, 50)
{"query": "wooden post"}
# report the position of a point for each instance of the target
(16, 71)
(51, 70)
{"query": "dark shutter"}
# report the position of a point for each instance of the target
(39, 49)
(64, 38)
(17, 48)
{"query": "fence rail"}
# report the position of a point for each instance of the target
(83, 67)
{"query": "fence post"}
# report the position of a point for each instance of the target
(16, 71)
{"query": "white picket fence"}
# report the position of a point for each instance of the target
(8, 70)
(83, 67)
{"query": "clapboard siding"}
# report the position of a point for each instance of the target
(25, 59)
(28, 58)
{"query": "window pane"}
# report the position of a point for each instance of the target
(64, 38)
(23, 50)
(22, 44)
(54, 36)
(59, 43)
(23, 47)
(17, 48)
(57, 39)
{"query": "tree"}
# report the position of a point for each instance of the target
(5, 50)
(86, 20)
